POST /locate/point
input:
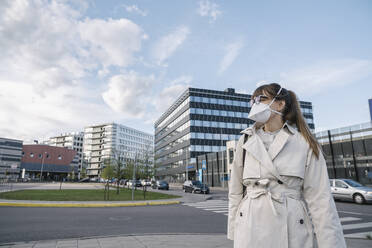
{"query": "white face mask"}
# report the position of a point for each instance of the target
(260, 112)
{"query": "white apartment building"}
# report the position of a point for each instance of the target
(102, 141)
(75, 141)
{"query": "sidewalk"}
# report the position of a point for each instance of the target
(151, 241)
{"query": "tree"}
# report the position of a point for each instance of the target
(108, 172)
(128, 170)
(116, 162)
(145, 162)
(83, 172)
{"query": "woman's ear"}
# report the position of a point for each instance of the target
(281, 105)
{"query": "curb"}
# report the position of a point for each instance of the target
(87, 205)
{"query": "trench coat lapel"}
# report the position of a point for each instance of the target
(278, 143)
(256, 148)
(280, 140)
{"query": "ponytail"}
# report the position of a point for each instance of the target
(294, 115)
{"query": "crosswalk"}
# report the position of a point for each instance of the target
(349, 223)
(216, 206)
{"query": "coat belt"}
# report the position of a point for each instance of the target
(278, 194)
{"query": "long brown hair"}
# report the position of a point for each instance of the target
(291, 112)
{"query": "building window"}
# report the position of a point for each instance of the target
(31, 155)
(40, 156)
(59, 157)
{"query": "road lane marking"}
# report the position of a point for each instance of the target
(344, 219)
(357, 226)
(346, 212)
(211, 209)
(359, 235)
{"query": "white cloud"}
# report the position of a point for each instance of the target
(326, 75)
(37, 41)
(209, 9)
(112, 42)
(169, 94)
(262, 82)
(47, 44)
(134, 9)
(48, 55)
(167, 45)
(28, 116)
(129, 94)
(185, 79)
(231, 53)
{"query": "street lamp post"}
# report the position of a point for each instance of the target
(134, 175)
(223, 161)
(42, 165)
(187, 169)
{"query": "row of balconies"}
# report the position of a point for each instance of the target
(98, 142)
(92, 172)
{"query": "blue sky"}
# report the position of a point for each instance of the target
(68, 64)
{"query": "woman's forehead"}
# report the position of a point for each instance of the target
(260, 92)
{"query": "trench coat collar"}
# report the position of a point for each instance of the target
(255, 126)
(256, 148)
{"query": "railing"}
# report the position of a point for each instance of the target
(6, 185)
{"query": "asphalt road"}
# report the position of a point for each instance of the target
(27, 224)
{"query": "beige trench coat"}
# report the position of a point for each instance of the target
(288, 201)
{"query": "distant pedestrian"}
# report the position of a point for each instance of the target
(279, 192)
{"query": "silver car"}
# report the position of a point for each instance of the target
(347, 189)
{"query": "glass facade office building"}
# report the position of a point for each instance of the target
(348, 152)
(200, 121)
(10, 158)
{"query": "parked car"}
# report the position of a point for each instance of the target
(146, 183)
(195, 187)
(137, 183)
(85, 180)
(123, 181)
(93, 179)
(161, 184)
(350, 190)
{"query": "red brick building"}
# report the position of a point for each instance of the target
(55, 163)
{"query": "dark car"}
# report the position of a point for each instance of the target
(195, 187)
(137, 183)
(123, 181)
(85, 180)
(160, 185)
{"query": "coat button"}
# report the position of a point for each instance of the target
(280, 182)
(301, 221)
(241, 214)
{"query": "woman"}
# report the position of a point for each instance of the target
(279, 193)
